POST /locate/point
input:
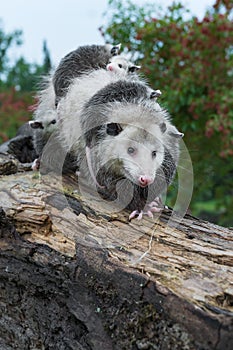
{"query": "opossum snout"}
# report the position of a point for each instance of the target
(109, 67)
(145, 180)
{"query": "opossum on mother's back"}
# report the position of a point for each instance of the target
(81, 61)
(130, 138)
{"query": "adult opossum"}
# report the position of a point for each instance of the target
(128, 137)
(81, 61)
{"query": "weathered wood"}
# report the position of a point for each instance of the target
(75, 277)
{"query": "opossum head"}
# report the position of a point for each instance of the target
(137, 152)
(46, 123)
(120, 65)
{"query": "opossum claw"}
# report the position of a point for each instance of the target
(154, 207)
(133, 214)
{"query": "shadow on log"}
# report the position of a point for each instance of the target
(75, 277)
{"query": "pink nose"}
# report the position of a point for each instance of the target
(110, 68)
(145, 180)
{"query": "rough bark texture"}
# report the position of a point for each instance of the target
(75, 277)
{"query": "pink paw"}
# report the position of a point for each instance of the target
(36, 164)
(154, 207)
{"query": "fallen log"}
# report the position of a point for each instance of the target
(74, 276)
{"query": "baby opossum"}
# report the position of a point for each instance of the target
(128, 137)
(81, 61)
(121, 65)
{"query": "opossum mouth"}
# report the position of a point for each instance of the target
(143, 186)
(130, 178)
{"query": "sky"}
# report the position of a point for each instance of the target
(64, 24)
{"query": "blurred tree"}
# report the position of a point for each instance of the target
(6, 42)
(191, 61)
(21, 74)
(18, 82)
(47, 65)
(14, 111)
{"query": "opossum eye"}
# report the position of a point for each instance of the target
(53, 121)
(154, 153)
(131, 150)
(120, 65)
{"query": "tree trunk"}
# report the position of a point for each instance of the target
(74, 276)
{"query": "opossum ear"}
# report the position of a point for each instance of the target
(115, 50)
(133, 69)
(113, 129)
(155, 94)
(176, 134)
(163, 127)
(35, 124)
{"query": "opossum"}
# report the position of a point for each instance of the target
(121, 65)
(128, 137)
(81, 61)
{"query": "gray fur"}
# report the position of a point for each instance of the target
(80, 61)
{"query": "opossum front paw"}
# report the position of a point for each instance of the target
(36, 164)
(154, 207)
(139, 214)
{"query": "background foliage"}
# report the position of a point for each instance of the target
(189, 59)
(18, 82)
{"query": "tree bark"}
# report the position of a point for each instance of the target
(74, 276)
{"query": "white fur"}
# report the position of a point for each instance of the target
(70, 106)
(46, 110)
(46, 99)
(141, 163)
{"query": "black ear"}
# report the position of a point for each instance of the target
(115, 50)
(176, 134)
(155, 94)
(113, 129)
(163, 127)
(36, 124)
(133, 69)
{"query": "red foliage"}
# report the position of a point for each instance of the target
(14, 111)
